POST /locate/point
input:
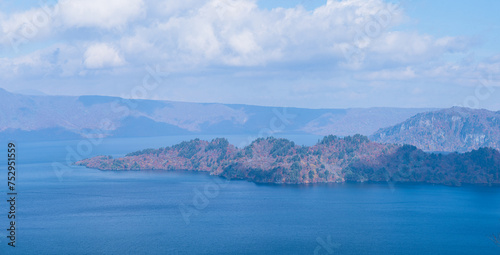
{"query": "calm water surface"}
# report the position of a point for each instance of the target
(87, 211)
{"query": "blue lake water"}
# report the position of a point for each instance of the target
(86, 211)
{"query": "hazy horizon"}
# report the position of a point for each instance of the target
(39, 93)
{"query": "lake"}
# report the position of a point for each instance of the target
(86, 211)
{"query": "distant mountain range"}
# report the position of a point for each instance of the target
(455, 129)
(42, 117)
(39, 116)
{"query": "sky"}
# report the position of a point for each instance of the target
(294, 53)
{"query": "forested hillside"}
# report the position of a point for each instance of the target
(333, 159)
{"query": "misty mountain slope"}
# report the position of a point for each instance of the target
(34, 113)
(454, 129)
(45, 117)
(108, 115)
(359, 121)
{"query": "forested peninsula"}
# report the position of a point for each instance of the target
(332, 159)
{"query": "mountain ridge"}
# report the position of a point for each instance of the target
(80, 115)
(454, 129)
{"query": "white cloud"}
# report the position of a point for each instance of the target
(244, 43)
(58, 60)
(239, 33)
(101, 55)
(393, 74)
(30, 25)
(411, 47)
(197, 35)
(103, 14)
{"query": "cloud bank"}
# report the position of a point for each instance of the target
(345, 44)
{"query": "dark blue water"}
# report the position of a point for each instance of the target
(86, 211)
